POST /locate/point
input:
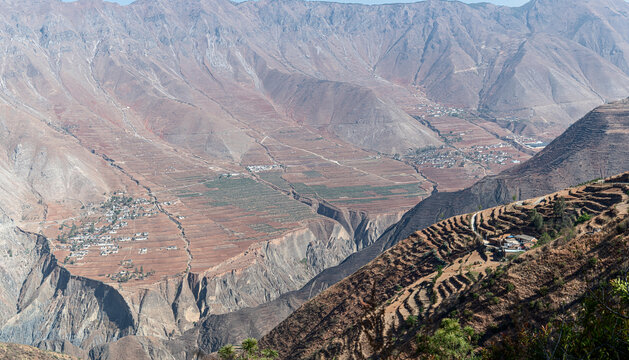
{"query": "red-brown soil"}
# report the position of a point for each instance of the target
(366, 313)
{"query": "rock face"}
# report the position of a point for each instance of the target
(43, 302)
(284, 264)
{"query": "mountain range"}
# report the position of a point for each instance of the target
(183, 174)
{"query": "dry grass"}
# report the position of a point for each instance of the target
(24, 352)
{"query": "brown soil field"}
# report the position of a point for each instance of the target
(225, 206)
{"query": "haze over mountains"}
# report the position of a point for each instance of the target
(189, 159)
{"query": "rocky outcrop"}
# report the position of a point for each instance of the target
(48, 304)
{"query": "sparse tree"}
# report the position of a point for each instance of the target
(227, 352)
(450, 341)
(411, 321)
(559, 207)
(536, 219)
(544, 239)
(599, 330)
(270, 354)
(248, 350)
(250, 346)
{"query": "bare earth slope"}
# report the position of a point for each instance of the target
(23, 352)
(365, 314)
(202, 157)
(595, 146)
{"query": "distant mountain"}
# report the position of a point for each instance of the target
(256, 142)
(548, 62)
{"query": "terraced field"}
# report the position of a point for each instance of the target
(418, 279)
(212, 210)
(424, 297)
(214, 204)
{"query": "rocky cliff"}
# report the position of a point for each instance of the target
(46, 306)
(204, 111)
(43, 303)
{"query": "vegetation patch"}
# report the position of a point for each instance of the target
(599, 331)
(450, 341)
(248, 350)
(250, 195)
(358, 191)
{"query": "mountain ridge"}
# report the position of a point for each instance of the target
(611, 121)
(171, 105)
(365, 314)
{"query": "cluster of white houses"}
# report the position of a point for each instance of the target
(517, 243)
(261, 168)
(509, 243)
(118, 211)
(107, 244)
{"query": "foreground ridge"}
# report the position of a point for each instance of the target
(441, 269)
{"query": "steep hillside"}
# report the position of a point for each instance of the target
(441, 269)
(355, 114)
(23, 352)
(194, 158)
(593, 147)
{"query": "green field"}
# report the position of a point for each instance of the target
(358, 192)
(275, 178)
(250, 195)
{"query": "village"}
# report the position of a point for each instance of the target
(104, 227)
(130, 272)
(444, 157)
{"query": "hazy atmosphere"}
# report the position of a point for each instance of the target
(500, 2)
(311, 180)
